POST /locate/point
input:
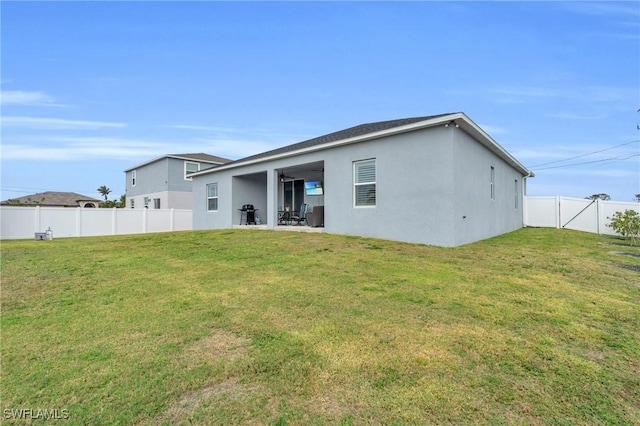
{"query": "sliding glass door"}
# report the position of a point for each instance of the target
(293, 194)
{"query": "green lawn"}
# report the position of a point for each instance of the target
(540, 326)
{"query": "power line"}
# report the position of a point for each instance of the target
(585, 155)
(589, 162)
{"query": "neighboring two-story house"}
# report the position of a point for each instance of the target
(163, 183)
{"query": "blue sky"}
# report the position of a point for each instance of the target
(92, 88)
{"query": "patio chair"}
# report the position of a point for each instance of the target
(301, 216)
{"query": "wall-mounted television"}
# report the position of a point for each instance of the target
(313, 187)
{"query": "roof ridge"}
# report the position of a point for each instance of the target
(353, 131)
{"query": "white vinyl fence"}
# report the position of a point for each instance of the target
(573, 213)
(25, 222)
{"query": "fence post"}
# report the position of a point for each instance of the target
(558, 212)
(36, 220)
(598, 216)
(144, 221)
(78, 222)
(114, 221)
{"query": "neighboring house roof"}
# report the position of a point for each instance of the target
(376, 130)
(54, 199)
(199, 157)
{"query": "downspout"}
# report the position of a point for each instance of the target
(525, 205)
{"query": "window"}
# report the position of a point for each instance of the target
(156, 203)
(516, 192)
(493, 183)
(190, 167)
(212, 197)
(364, 181)
(133, 203)
(133, 178)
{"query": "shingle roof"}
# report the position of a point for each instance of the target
(351, 132)
(212, 159)
(368, 131)
(202, 157)
(52, 198)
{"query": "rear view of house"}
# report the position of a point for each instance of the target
(437, 180)
(164, 182)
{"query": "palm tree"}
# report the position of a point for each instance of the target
(104, 191)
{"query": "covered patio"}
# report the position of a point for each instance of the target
(281, 198)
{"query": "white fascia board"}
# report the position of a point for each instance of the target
(145, 163)
(195, 160)
(474, 130)
(341, 142)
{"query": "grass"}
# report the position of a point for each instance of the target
(540, 326)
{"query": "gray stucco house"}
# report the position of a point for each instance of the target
(438, 180)
(162, 183)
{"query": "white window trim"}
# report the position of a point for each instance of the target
(217, 197)
(355, 184)
(185, 169)
(493, 183)
(133, 178)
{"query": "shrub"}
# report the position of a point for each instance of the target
(626, 223)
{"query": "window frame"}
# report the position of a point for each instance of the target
(493, 183)
(133, 177)
(213, 197)
(357, 183)
(156, 203)
(185, 169)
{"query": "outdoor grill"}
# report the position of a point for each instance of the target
(249, 213)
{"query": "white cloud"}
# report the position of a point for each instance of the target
(523, 94)
(629, 9)
(575, 116)
(72, 148)
(236, 142)
(81, 148)
(44, 123)
(577, 94)
(197, 127)
(494, 130)
(235, 148)
(20, 97)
